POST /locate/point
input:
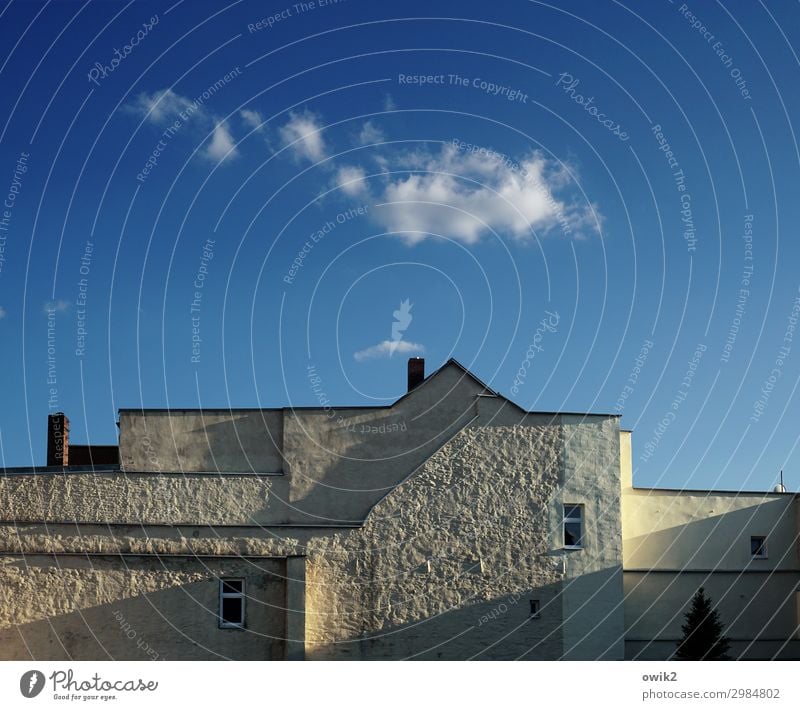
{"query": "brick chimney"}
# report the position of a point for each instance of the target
(57, 439)
(416, 371)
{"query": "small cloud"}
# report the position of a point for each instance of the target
(57, 306)
(351, 180)
(387, 348)
(2, 313)
(251, 118)
(222, 144)
(161, 106)
(370, 134)
(389, 104)
(303, 132)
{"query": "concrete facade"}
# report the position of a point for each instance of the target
(430, 529)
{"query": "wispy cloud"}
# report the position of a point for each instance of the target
(57, 306)
(2, 313)
(303, 132)
(251, 118)
(222, 145)
(161, 106)
(370, 134)
(350, 179)
(387, 348)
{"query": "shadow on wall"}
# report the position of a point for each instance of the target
(758, 599)
(179, 622)
(464, 629)
(473, 628)
(155, 610)
(240, 442)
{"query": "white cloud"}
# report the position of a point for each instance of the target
(2, 313)
(389, 104)
(222, 145)
(386, 348)
(57, 306)
(303, 132)
(165, 106)
(350, 179)
(251, 118)
(162, 106)
(464, 195)
(370, 134)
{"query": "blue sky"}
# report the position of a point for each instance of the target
(560, 191)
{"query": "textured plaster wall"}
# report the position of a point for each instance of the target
(594, 625)
(448, 562)
(138, 498)
(343, 461)
(78, 608)
(461, 515)
(338, 463)
(240, 441)
(450, 559)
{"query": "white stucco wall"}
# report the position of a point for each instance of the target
(136, 608)
(677, 541)
(454, 526)
(592, 591)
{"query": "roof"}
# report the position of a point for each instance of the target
(450, 362)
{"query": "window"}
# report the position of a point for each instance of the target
(231, 603)
(535, 609)
(573, 526)
(758, 547)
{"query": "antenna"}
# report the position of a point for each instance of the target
(780, 488)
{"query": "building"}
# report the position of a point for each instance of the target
(449, 525)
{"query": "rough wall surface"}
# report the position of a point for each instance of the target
(137, 498)
(138, 608)
(445, 567)
(454, 529)
(448, 563)
(594, 625)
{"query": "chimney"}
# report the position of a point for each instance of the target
(57, 439)
(416, 371)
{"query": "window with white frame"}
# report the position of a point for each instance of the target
(758, 547)
(573, 526)
(231, 603)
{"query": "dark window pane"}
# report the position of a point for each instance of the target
(572, 511)
(232, 608)
(572, 534)
(231, 586)
(758, 546)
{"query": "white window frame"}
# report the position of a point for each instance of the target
(579, 521)
(231, 595)
(764, 554)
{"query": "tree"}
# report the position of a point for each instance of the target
(702, 633)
